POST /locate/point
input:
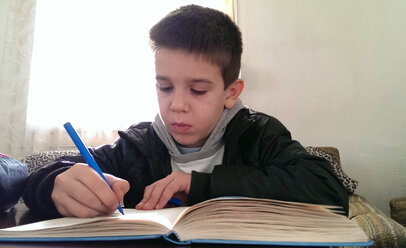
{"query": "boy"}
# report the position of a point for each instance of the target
(204, 143)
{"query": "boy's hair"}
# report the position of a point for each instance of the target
(205, 32)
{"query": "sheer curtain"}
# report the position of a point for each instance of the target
(92, 66)
(16, 34)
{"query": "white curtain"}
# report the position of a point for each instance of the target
(91, 65)
(16, 34)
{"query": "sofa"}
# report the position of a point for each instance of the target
(383, 230)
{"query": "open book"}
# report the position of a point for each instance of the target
(221, 220)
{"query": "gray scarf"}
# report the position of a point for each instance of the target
(213, 143)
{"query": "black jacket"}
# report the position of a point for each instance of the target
(260, 160)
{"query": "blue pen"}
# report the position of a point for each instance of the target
(175, 201)
(86, 154)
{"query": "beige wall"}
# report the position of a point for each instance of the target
(334, 72)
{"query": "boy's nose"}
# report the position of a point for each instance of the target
(179, 103)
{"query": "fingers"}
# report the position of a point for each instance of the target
(75, 208)
(81, 192)
(157, 195)
(120, 186)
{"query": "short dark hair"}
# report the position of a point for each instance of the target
(207, 32)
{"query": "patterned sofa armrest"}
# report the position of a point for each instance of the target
(384, 231)
(38, 159)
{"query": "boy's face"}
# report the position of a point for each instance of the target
(191, 95)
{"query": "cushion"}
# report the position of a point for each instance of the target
(349, 183)
(13, 177)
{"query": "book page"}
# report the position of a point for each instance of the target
(133, 222)
(166, 217)
(266, 220)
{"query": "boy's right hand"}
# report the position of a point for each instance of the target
(81, 192)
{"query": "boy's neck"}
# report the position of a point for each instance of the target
(187, 150)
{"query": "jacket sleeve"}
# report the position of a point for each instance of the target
(37, 194)
(265, 162)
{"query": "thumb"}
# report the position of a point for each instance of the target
(120, 186)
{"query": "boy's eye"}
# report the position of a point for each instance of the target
(198, 92)
(164, 88)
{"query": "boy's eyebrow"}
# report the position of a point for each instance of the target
(201, 80)
(162, 78)
(194, 80)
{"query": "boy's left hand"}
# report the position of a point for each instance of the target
(157, 195)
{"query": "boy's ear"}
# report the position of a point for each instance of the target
(233, 92)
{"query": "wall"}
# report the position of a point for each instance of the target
(334, 72)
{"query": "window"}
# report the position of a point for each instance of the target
(92, 64)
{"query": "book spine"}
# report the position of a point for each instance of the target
(174, 238)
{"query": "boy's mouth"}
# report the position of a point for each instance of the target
(181, 127)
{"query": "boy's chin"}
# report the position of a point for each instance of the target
(190, 143)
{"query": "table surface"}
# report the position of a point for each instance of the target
(20, 215)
